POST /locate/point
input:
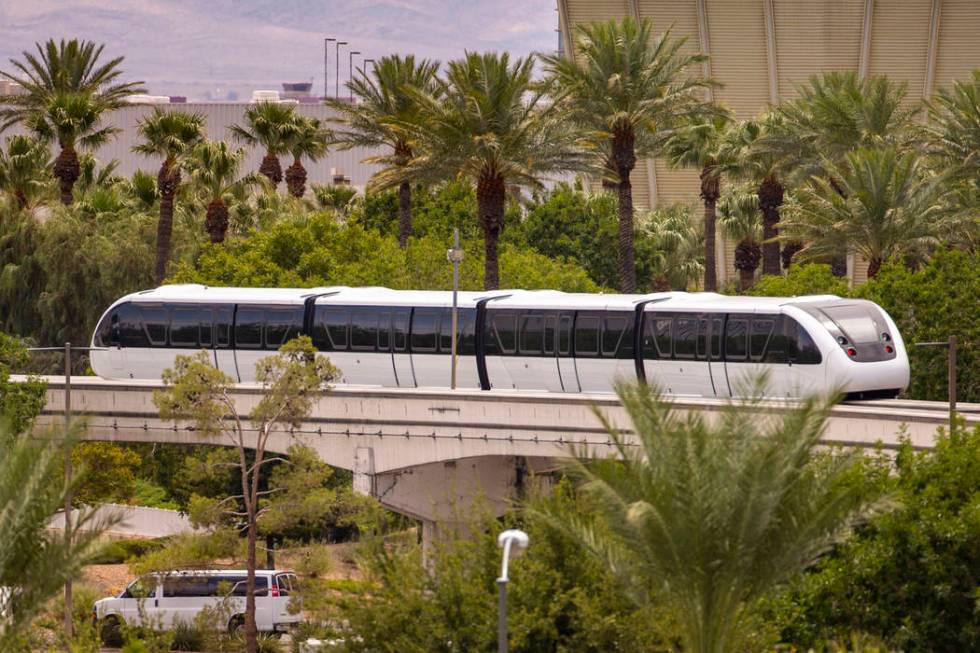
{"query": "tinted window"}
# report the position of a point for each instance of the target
(399, 330)
(807, 352)
(759, 338)
(186, 586)
(222, 326)
(855, 320)
(504, 331)
(248, 328)
(532, 335)
(384, 331)
(736, 339)
(206, 316)
(425, 327)
(685, 337)
(564, 334)
(587, 335)
(663, 336)
(184, 327)
(130, 327)
(330, 328)
(712, 340)
(782, 339)
(465, 328)
(363, 330)
(549, 334)
(281, 326)
(617, 337)
(155, 324)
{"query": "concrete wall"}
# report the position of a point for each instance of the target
(133, 521)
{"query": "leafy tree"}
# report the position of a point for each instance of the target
(806, 279)
(20, 402)
(170, 135)
(707, 519)
(385, 105)
(676, 248)
(64, 67)
(485, 123)
(24, 170)
(307, 138)
(35, 562)
(953, 131)
(110, 473)
(929, 304)
(73, 120)
(268, 124)
(215, 171)
(880, 203)
(195, 390)
(625, 88)
(703, 143)
(910, 576)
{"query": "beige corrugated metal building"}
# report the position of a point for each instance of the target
(760, 50)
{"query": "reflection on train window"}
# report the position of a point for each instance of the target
(425, 327)
(184, 327)
(532, 336)
(759, 339)
(685, 337)
(564, 334)
(736, 340)
(155, 323)
(363, 330)
(384, 331)
(613, 334)
(248, 328)
(663, 336)
(281, 326)
(505, 332)
(399, 330)
(587, 335)
(206, 316)
(222, 327)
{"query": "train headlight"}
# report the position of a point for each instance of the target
(842, 340)
(886, 337)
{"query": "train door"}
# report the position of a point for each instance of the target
(755, 353)
(401, 360)
(683, 367)
(710, 331)
(566, 362)
(370, 359)
(224, 355)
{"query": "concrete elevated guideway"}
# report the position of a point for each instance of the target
(426, 453)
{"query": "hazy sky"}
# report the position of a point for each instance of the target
(206, 48)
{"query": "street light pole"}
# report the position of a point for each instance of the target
(326, 67)
(337, 62)
(364, 70)
(350, 72)
(69, 621)
(511, 541)
(455, 256)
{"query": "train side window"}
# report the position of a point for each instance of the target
(335, 321)
(222, 326)
(532, 335)
(778, 349)
(564, 334)
(184, 327)
(399, 330)
(155, 323)
(807, 352)
(714, 342)
(248, 328)
(759, 337)
(130, 327)
(549, 334)
(363, 330)
(206, 317)
(281, 326)
(736, 340)
(612, 335)
(505, 332)
(425, 329)
(587, 335)
(466, 331)
(384, 331)
(685, 337)
(663, 336)
(649, 338)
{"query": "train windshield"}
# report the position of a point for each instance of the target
(857, 321)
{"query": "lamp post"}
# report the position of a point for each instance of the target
(350, 72)
(364, 69)
(326, 82)
(455, 256)
(337, 62)
(509, 540)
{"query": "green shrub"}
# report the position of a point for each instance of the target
(187, 637)
(151, 495)
(116, 552)
(806, 279)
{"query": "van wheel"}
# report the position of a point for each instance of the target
(110, 631)
(236, 626)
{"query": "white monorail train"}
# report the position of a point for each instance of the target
(688, 344)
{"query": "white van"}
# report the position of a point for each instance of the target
(178, 596)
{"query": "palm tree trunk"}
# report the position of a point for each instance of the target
(67, 170)
(624, 160)
(747, 257)
(710, 192)
(404, 213)
(770, 199)
(168, 179)
(874, 265)
(216, 222)
(296, 178)
(491, 194)
(790, 250)
(270, 168)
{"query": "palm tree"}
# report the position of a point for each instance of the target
(706, 518)
(214, 169)
(170, 135)
(24, 169)
(835, 113)
(73, 120)
(953, 132)
(34, 561)
(385, 102)
(626, 88)
(306, 138)
(703, 143)
(268, 124)
(64, 67)
(486, 123)
(678, 247)
(740, 221)
(881, 202)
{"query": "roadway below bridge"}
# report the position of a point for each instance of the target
(426, 452)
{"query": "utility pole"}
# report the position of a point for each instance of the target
(69, 623)
(455, 256)
(337, 81)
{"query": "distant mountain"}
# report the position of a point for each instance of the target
(206, 48)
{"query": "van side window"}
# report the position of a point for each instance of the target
(186, 586)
